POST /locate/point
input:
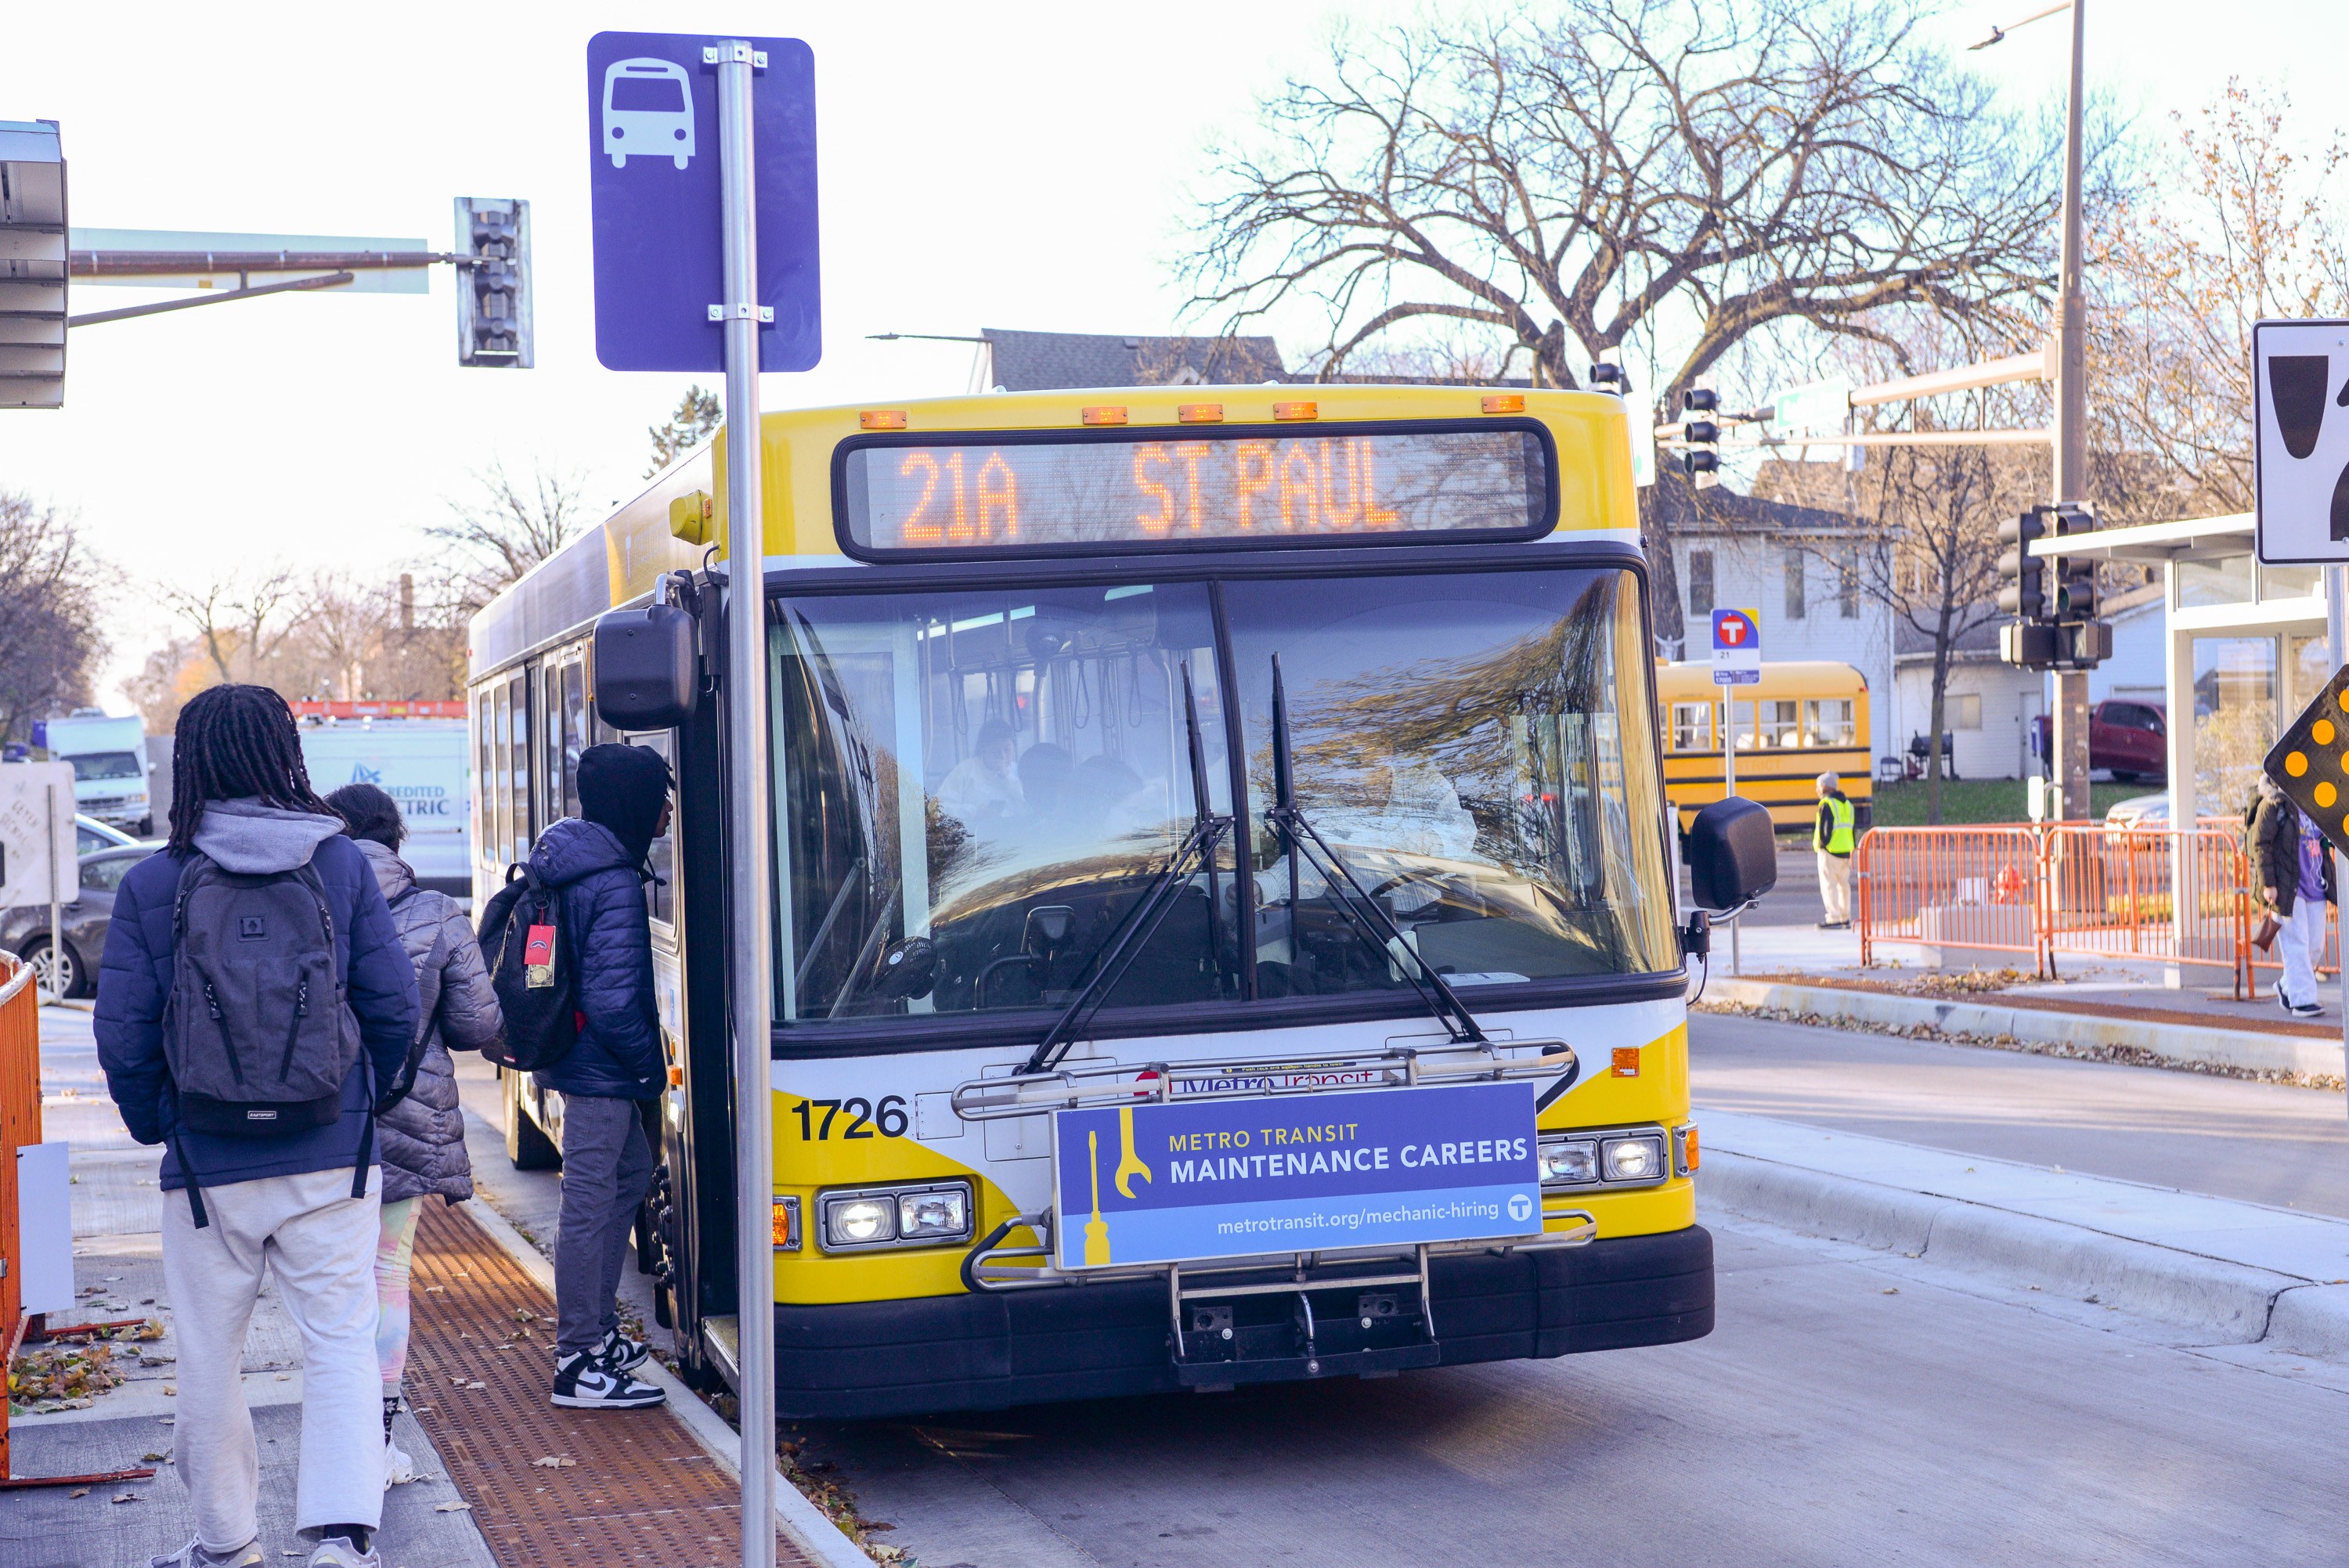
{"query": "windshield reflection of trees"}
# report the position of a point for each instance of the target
(1481, 797)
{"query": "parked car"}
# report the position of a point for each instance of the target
(2150, 811)
(24, 930)
(2130, 740)
(91, 835)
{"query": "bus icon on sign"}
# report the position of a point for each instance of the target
(648, 111)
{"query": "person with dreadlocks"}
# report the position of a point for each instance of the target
(304, 1204)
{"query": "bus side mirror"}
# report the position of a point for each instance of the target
(646, 674)
(1732, 854)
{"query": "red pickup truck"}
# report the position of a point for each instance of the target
(2127, 738)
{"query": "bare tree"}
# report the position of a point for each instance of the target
(2237, 223)
(341, 631)
(1607, 173)
(506, 530)
(239, 618)
(49, 591)
(698, 413)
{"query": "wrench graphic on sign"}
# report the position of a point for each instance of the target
(1128, 1164)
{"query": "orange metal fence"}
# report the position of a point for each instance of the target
(2080, 889)
(20, 1124)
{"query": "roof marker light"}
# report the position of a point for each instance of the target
(1199, 413)
(1506, 403)
(1105, 414)
(881, 419)
(1297, 410)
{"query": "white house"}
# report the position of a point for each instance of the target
(1740, 552)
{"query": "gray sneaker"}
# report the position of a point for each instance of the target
(194, 1555)
(337, 1552)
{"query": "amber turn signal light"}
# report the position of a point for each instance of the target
(1200, 413)
(1625, 1062)
(881, 419)
(1506, 403)
(1297, 410)
(1106, 414)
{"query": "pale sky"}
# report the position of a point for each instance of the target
(1016, 165)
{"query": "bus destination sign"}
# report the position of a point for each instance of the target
(1169, 1183)
(1147, 491)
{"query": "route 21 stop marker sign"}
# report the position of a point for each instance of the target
(1736, 647)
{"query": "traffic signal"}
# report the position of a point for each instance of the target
(2025, 593)
(1701, 439)
(33, 233)
(493, 284)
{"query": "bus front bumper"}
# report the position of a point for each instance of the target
(931, 1353)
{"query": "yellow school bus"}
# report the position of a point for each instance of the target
(1225, 921)
(1805, 717)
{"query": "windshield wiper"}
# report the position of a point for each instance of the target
(1134, 932)
(1299, 838)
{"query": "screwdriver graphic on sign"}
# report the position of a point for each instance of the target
(1096, 1228)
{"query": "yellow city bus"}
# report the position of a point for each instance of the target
(1224, 929)
(1805, 717)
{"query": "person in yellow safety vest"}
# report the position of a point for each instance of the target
(1831, 838)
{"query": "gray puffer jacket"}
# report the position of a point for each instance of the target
(422, 1137)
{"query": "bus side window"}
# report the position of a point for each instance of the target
(501, 792)
(519, 685)
(575, 731)
(660, 894)
(1828, 722)
(485, 813)
(1692, 726)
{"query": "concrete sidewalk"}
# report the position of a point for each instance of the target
(2224, 1272)
(2283, 1046)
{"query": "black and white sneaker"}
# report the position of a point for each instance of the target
(584, 1383)
(620, 1353)
(2306, 1010)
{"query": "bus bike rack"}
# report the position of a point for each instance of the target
(993, 1268)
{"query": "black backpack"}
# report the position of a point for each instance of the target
(256, 1035)
(530, 969)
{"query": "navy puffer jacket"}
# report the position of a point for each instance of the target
(134, 981)
(618, 1053)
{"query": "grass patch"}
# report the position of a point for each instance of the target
(1983, 800)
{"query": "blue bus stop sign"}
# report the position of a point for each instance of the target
(652, 148)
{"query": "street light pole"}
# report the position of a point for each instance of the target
(2071, 705)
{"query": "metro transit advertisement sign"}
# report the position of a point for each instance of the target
(1172, 1182)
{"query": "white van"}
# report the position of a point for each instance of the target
(423, 764)
(110, 763)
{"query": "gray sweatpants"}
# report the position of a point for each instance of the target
(607, 1165)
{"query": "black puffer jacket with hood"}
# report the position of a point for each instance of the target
(422, 1137)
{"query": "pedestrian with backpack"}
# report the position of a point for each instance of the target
(2293, 872)
(254, 1014)
(570, 953)
(422, 1136)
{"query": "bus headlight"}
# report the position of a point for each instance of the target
(943, 1213)
(1569, 1161)
(1632, 1159)
(859, 1222)
(922, 1215)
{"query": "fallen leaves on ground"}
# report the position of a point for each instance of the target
(61, 1376)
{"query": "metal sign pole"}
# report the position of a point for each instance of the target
(751, 1003)
(56, 926)
(2336, 632)
(1729, 791)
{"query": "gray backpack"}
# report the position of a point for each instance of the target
(256, 1035)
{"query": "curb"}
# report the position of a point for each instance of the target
(803, 1524)
(2192, 1044)
(2234, 1304)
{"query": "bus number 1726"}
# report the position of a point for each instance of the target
(862, 1118)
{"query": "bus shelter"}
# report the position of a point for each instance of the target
(2243, 650)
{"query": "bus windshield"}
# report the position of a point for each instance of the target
(977, 787)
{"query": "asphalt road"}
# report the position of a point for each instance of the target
(2262, 1143)
(1851, 1407)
